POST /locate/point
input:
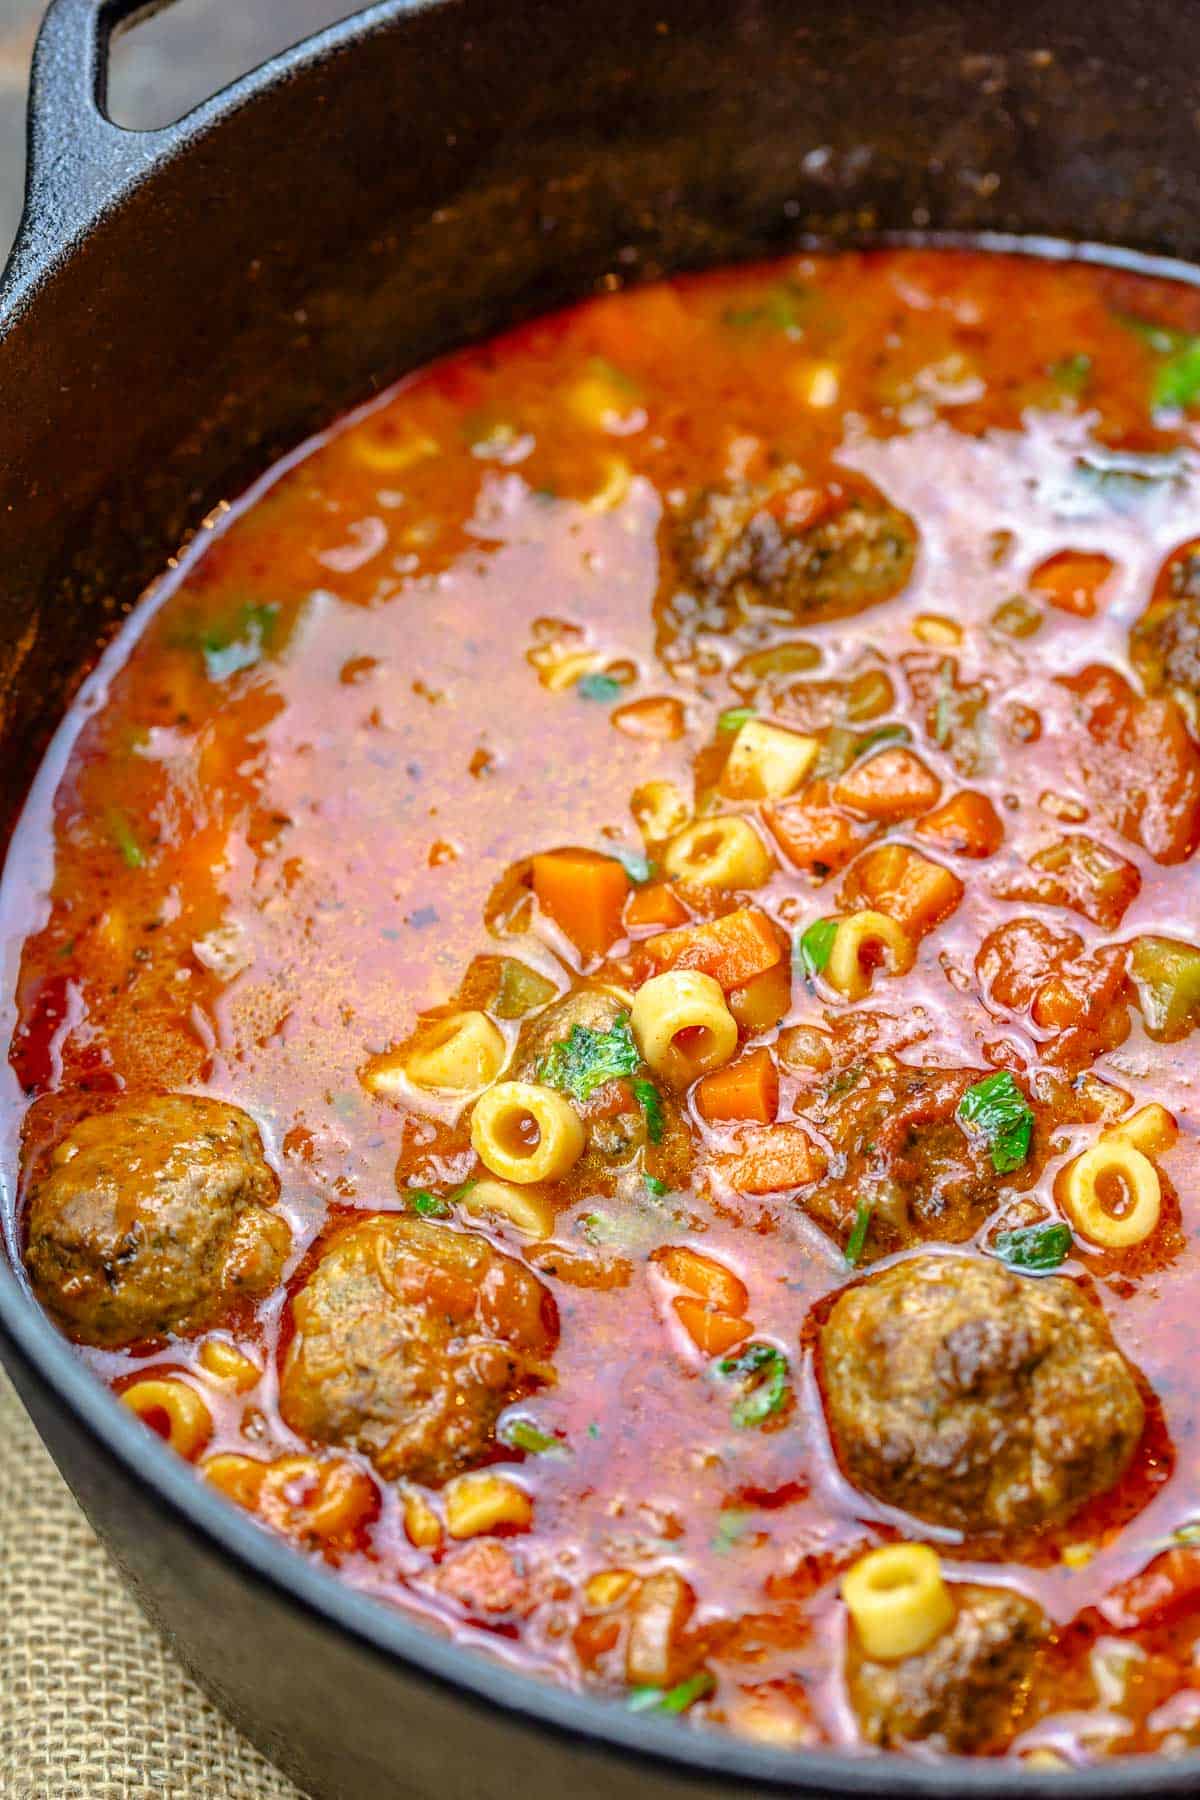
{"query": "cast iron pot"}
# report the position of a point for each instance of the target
(184, 304)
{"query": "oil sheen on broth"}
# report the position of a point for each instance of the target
(604, 1003)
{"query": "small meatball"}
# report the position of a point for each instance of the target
(154, 1215)
(1164, 644)
(974, 1397)
(410, 1341)
(905, 1156)
(816, 552)
(967, 1690)
(617, 1129)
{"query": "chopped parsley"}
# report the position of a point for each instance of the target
(1176, 383)
(813, 947)
(636, 864)
(236, 642)
(125, 838)
(999, 1111)
(778, 310)
(762, 1370)
(523, 1434)
(646, 1095)
(1073, 374)
(857, 1241)
(425, 1204)
(672, 1700)
(732, 1525)
(598, 686)
(654, 1185)
(734, 717)
(581, 1063)
(1037, 1249)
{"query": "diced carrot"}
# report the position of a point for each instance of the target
(703, 1276)
(892, 784)
(656, 719)
(584, 893)
(907, 886)
(746, 1089)
(657, 904)
(967, 824)
(1166, 1587)
(1073, 580)
(773, 1158)
(712, 1332)
(732, 949)
(812, 833)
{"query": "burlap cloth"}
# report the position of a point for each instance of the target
(92, 1707)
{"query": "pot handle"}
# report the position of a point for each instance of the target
(79, 161)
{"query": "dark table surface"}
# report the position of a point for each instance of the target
(157, 70)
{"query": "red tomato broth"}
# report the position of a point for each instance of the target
(320, 744)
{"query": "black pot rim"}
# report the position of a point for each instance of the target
(29, 1338)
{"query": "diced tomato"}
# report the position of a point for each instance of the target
(1166, 1587)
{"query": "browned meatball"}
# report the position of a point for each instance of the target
(904, 1155)
(154, 1215)
(411, 1339)
(618, 1128)
(966, 1691)
(1164, 644)
(975, 1397)
(816, 552)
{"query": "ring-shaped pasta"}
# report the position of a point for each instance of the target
(524, 1132)
(459, 1054)
(722, 853)
(1113, 1162)
(311, 1497)
(160, 1401)
(477, 1504)
(225, 1363)
(857, 934)
(393, 453)
(531, 1213)
(659, 809)
(898, 1601)
(682, 1026)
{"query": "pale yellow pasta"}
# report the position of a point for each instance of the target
(858, 936)
(531, 1213)
(682, 1025)
(566, 671)
(933, 628)
(767, 762)
(159, 1400)
(1113, 1169)
(607, 1587)
(525, 1132)
(225, 1363)
(898, 1601)
(721, 853)
(601, 401)
(660, 810)
(1151, 1130)
(390, 454)
(459, 1054)
(613, 488)
(422, 1526)
(476, 1504)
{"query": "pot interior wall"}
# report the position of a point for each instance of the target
(443, 171)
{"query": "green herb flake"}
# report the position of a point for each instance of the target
(237, 642)
(523, 1434)
(766, 1382)
(425, 1204)
(585, 1060)
(654, 1185)
(1176, 383)
(1072, 374)
(598, 686)
(647, 1097)
(672, 1700)
(999, 1111)
(734, 717)
(1035, 1249)
(593, 1430)
(636, 864)
(813, 947)
(856, 1243)
(778, 310)
(732, 1525)
(125, 839)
